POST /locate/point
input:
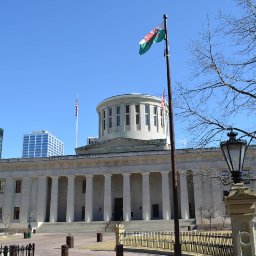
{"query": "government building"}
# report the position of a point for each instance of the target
(124, 175)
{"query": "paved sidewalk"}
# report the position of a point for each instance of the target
(85, 244)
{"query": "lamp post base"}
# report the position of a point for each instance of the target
(240, 206)
(177, 249)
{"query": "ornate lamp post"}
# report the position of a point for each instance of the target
(234, 152)
(240, 201)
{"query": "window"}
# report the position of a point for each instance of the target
(147, 114)
(16, 213)
(118, 116)
(2, 186)
(155, 115)
(18, 186)
(1, 214)
(84, 186)
(137, 110)
(110, 118)
(155, 210)
(127, 115)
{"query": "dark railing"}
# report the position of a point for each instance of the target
(207, 243)
(108, 224)
(17, 250)
(113, 222)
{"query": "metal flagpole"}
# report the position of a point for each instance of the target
(77, 110)
(177, 246)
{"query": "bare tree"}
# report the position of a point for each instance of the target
(201, 209)
(223, 216)
(222, 86)
(209, 214)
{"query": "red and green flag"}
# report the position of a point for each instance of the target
(154, 36)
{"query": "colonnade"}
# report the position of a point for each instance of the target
(47, 196)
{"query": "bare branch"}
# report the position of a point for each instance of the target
(222, 87)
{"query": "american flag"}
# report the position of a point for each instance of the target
(162, 104)
(77, 107)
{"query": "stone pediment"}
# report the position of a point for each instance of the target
(121, 145)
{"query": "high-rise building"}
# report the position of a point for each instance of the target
(1, 140)
(41, 144)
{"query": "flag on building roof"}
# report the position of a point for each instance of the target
(154, 36)
(77, 106)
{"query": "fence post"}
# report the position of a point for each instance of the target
(13, 249)
(31, 249)
(6, 250)
(119, 231)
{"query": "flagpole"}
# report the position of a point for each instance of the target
(77, 110)
(177, 246)
(76, 129)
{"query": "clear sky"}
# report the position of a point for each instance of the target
(52, 50)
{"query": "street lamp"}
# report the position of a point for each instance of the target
(240, 201)
(234, 152)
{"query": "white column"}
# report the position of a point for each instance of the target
(198, 196)
(8, 198)
(100, 123)
(146, 213)
(166, 196)
(126, 197)
(41, 199)
(88, 198)
(54, 199)
(25, 196)
(70, 199)
(107, 198)
(184, 204)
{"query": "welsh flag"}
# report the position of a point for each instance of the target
(154, 36)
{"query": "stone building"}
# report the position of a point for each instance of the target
(124, 176)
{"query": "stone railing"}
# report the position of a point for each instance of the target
(206, 243)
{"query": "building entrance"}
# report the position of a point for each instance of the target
(155, 209)
(118, 210)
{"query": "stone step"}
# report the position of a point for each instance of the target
(103, 226)
(158, 225)
(72, 227)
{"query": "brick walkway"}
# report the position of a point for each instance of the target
(85, 244)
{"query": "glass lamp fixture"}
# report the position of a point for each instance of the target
(234, 152)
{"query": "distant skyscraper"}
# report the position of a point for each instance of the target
(1, 140)
(41, 144)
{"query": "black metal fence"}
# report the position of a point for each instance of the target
(207, 243)
(17, 250)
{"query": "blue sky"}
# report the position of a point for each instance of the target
(52, 50)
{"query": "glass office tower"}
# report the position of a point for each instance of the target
(1, 140)
(41, 144)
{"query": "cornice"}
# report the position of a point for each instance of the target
(184, 157)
